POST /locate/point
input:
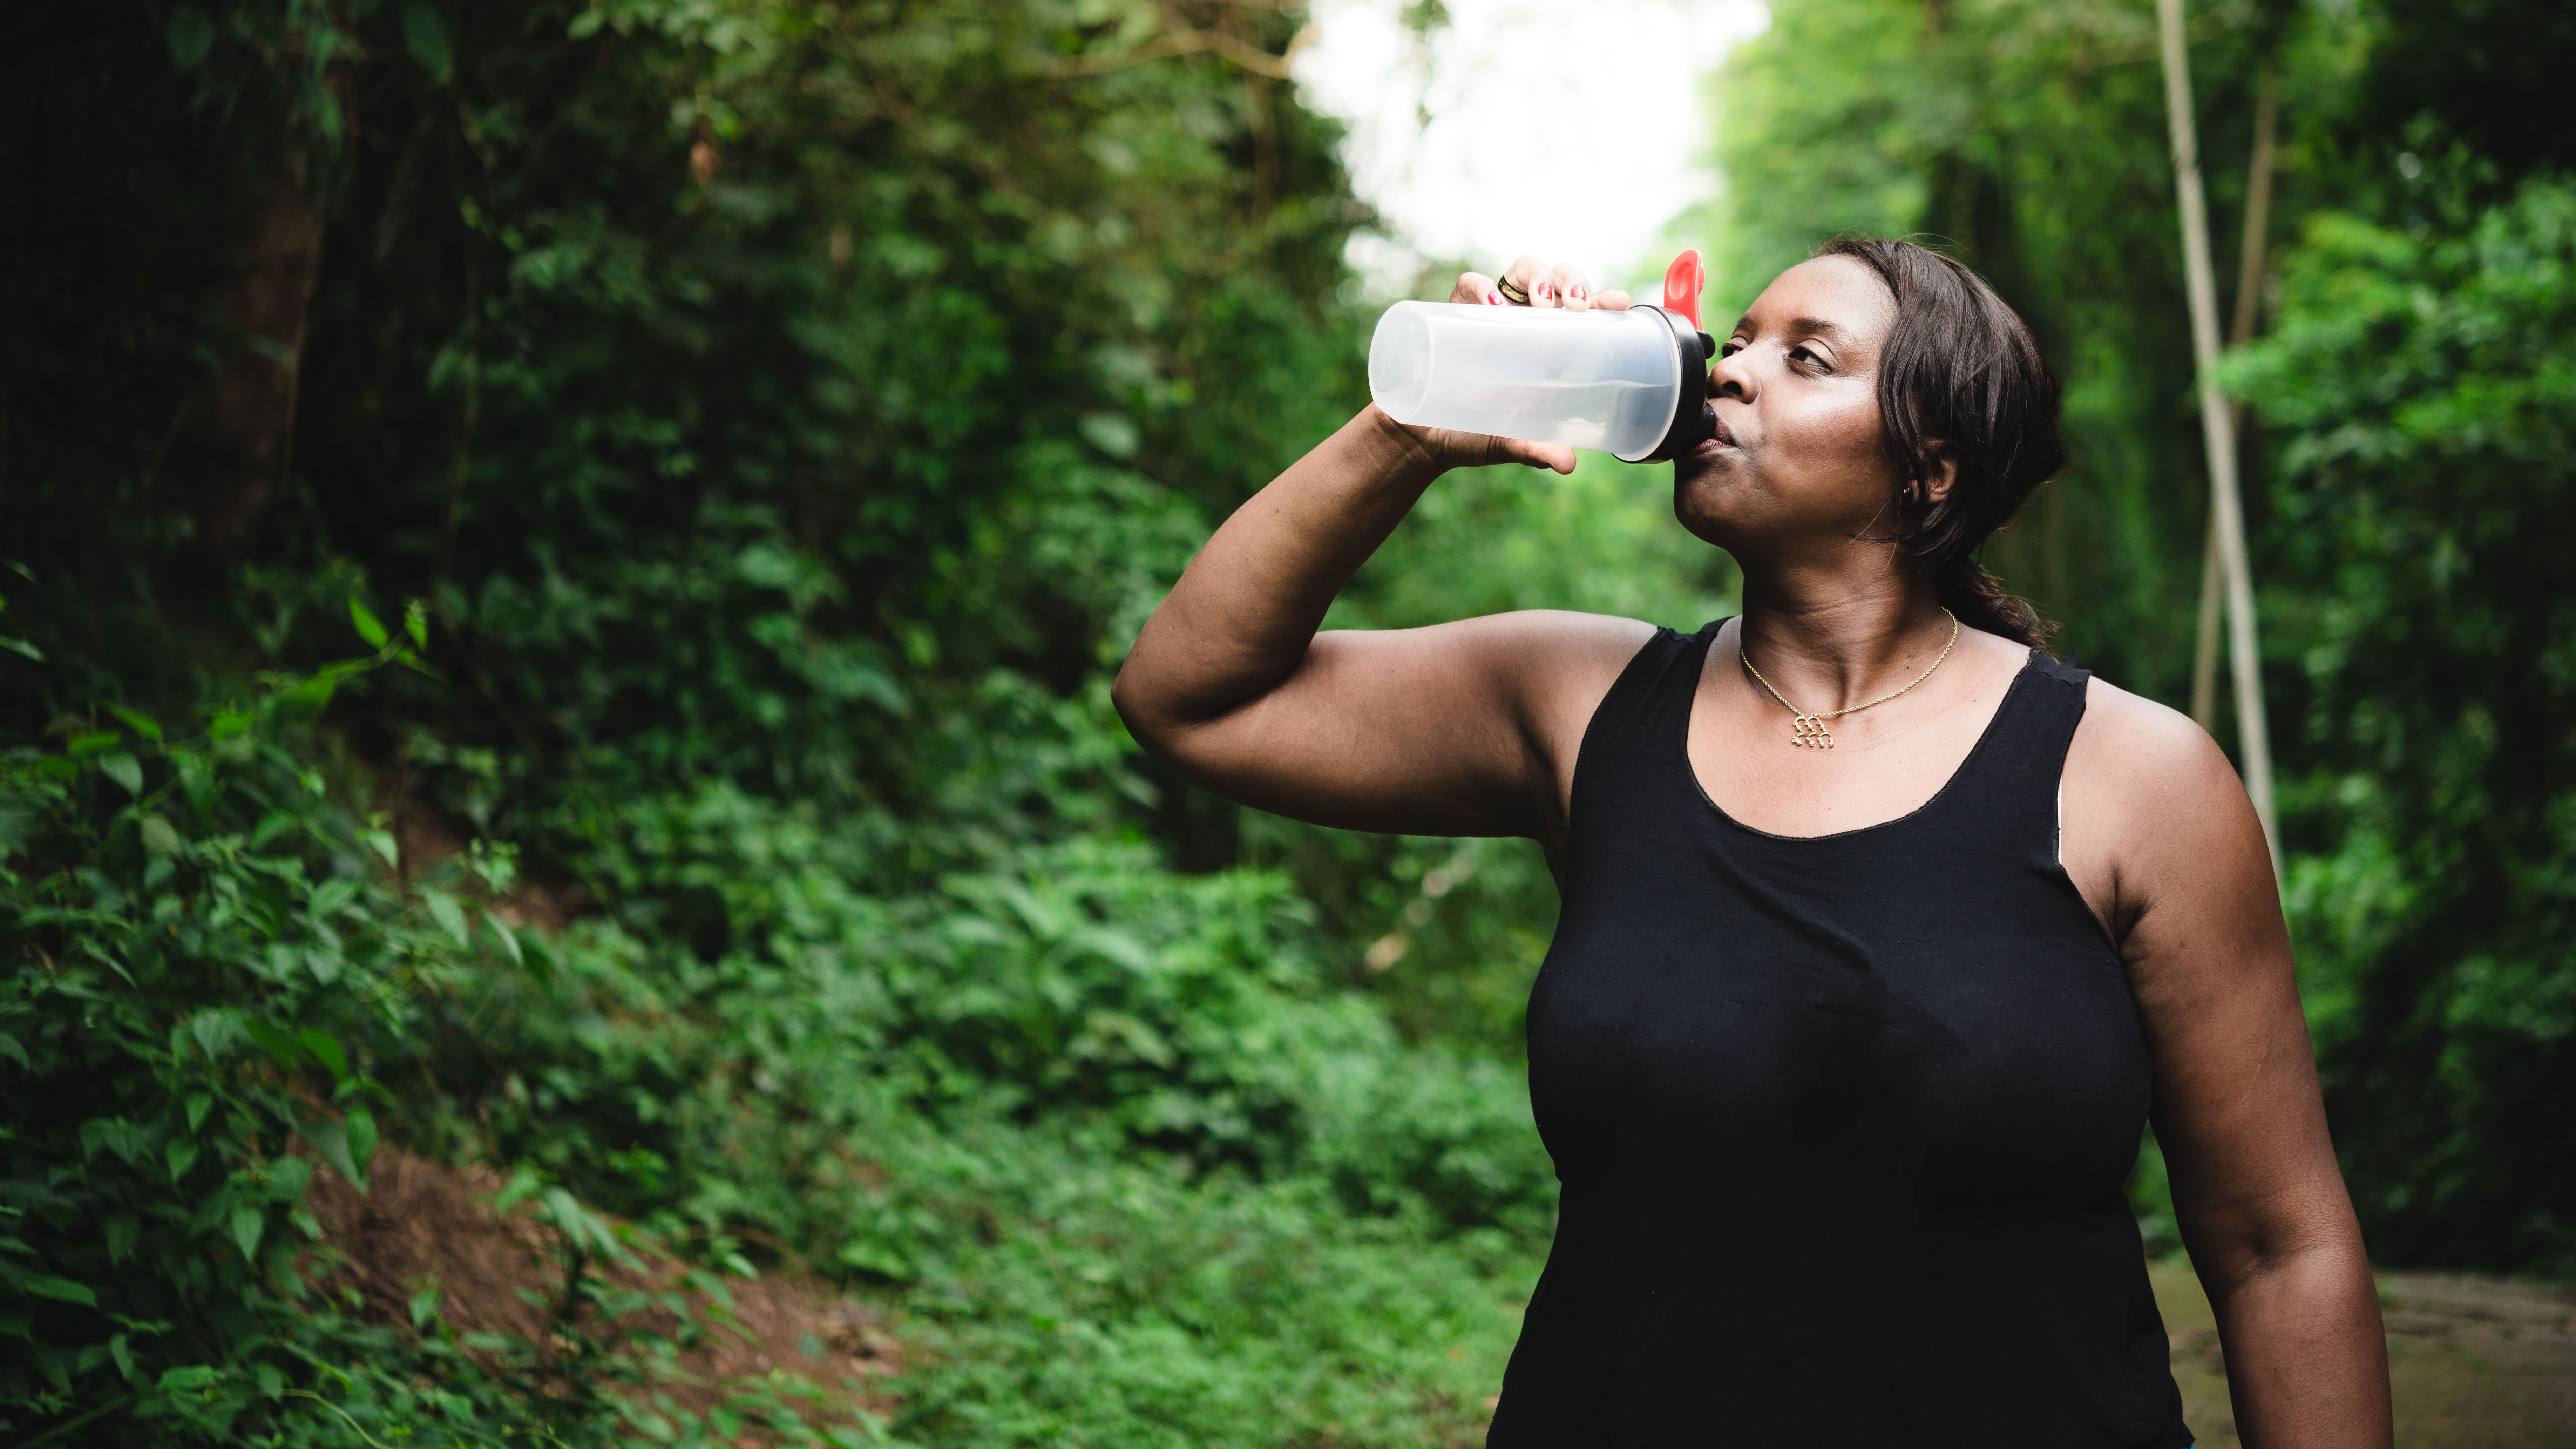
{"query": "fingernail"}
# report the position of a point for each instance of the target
(1541, 293)
(1493, 299)
(1578, 292)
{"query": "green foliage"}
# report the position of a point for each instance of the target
(2424, 385)
(209, 968)
(784, 414)
(1132, 1170)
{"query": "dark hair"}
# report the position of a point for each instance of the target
(1962, 369)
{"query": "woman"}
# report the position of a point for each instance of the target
(1883, 932)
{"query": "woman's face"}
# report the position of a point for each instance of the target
(1797, 457)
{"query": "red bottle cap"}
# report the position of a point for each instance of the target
(1682, 281)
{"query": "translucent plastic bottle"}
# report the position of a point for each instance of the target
(1630, 383)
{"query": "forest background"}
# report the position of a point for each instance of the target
(563, 563)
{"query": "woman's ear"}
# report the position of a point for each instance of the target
(1940, 472)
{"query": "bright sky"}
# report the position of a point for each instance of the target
(1574, 132)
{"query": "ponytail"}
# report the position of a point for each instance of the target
(1979, 601)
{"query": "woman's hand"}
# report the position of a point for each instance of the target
(1525, 283)
(1558, 286)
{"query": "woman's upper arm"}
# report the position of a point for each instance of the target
(1466, 728)
(2160, 833)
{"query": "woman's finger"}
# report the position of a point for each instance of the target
(1476, 290)
(1528, 283)
(1613, 300)
(1555, 457)
(1573, 290)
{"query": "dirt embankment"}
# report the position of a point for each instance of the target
(423, 1228)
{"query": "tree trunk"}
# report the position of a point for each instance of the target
(2249, 284)
(239, 439)
(2218, 430)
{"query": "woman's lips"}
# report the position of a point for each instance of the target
(1722, 439)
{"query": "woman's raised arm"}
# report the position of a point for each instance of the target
(1456, 729)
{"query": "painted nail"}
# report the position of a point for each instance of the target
(1578, 292)
(1541, 293)
(1493, 299)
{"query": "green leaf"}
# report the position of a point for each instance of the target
(305, 698)
(90, 742)
(509, 939)
(115, 1134)
(181, 1155)
(124, 1357)
(141, 723)
(190, 1376)
(248, 1223)
(416, 623)
(362, 1144)
(370, 628)
(326, 1050)
(199, 1102)
(272, 1038)
(16, 645)
(337, 1141)
(216, 1029)
(124, 769)
(444, 909)
(425, 35)
(1113, 433)
(876, 1258)
(122, 1232)
(191, 35)
(61, 1289)
(382, 842)
(424, 1306)
(288, 1177)
(522, 1183)
(161, 838)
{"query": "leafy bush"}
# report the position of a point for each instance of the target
(2423, 383)
(210, 964)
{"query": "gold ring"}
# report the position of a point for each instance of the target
(1511, 293)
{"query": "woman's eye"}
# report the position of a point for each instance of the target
(1802, 354)
(1729, 348)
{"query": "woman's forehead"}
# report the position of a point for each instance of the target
(1835, 290)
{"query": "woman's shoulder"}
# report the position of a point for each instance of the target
(2149, 803)
(2125, 736)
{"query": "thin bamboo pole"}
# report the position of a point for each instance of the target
(2249, 285)
(2218, 430)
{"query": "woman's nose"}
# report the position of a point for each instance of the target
(1731, 377)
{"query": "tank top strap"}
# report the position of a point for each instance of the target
(1643, 720)
(2011, 778)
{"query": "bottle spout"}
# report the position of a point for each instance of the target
(1682, 281)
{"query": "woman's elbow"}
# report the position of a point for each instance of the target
(1150, 707)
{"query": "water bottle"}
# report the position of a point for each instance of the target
(1632, 384)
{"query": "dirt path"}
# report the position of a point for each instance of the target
(2474, 1363)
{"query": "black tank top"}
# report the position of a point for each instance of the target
(1841, 1122)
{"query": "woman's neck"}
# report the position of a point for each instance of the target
(1828, 640)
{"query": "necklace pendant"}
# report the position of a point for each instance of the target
(1810, 731)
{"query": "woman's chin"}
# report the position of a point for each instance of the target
(1700, 503)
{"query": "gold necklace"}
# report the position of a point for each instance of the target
(1809, 729)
